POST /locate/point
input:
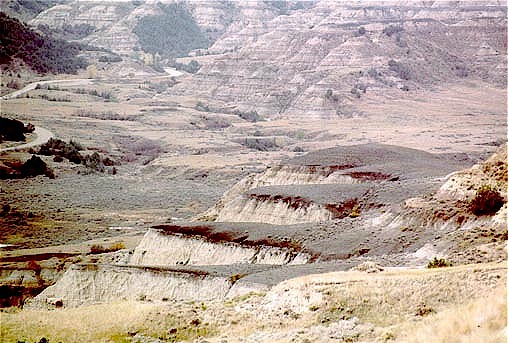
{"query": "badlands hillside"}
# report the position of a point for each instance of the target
(303, 59)
(253, 171)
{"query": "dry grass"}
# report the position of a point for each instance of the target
(98, 323)
(389, 299)
(483, 320)
(424, 305)
(116, 322)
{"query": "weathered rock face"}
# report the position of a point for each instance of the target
(158, 249)
(235, 205)
(323, 58)
(113, 22)
(493, 172)
(303, 191)
(316, 59)
(298, 175)
(86, 284)
(253, 209)
(18, 283)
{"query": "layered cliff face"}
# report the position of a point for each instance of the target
(323, 59)
(263, 210)
(345, 182)
(114, 23)
(165, 249)
(311, 59)
(86, 284)
(258, 208)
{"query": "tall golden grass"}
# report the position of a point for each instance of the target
(95, 323)
(482, 320)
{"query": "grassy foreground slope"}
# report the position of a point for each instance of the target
(455, 304)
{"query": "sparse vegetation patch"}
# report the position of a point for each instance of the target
(260, 143)
(193, 66)
(344, 209)
(105, 115)
(251, 116)
(401, 69)
(369, 176)
(330, 96)
(106, 95)
(234, 278)
(392, 29)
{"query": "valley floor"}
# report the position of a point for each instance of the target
(174, 161)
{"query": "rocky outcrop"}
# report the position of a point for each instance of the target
(261, 210)
(19, 282)
(323, 58)
(87, 284)
(237, 205)
(162, 249)
(113, 22)
(493, 172)
(327, 184)
(233, 206)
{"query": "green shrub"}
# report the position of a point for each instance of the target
(372, 72)
(201, 106)
(261, 143)
(76, 144)
(113, 59)
(487, 201)
(438, 263)
(193, 66)
(424, 310)
(330, 96)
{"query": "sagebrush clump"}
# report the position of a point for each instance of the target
(438, 263)
(487, 201)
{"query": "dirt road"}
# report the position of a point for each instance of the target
(33, 85)
(42, 134)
